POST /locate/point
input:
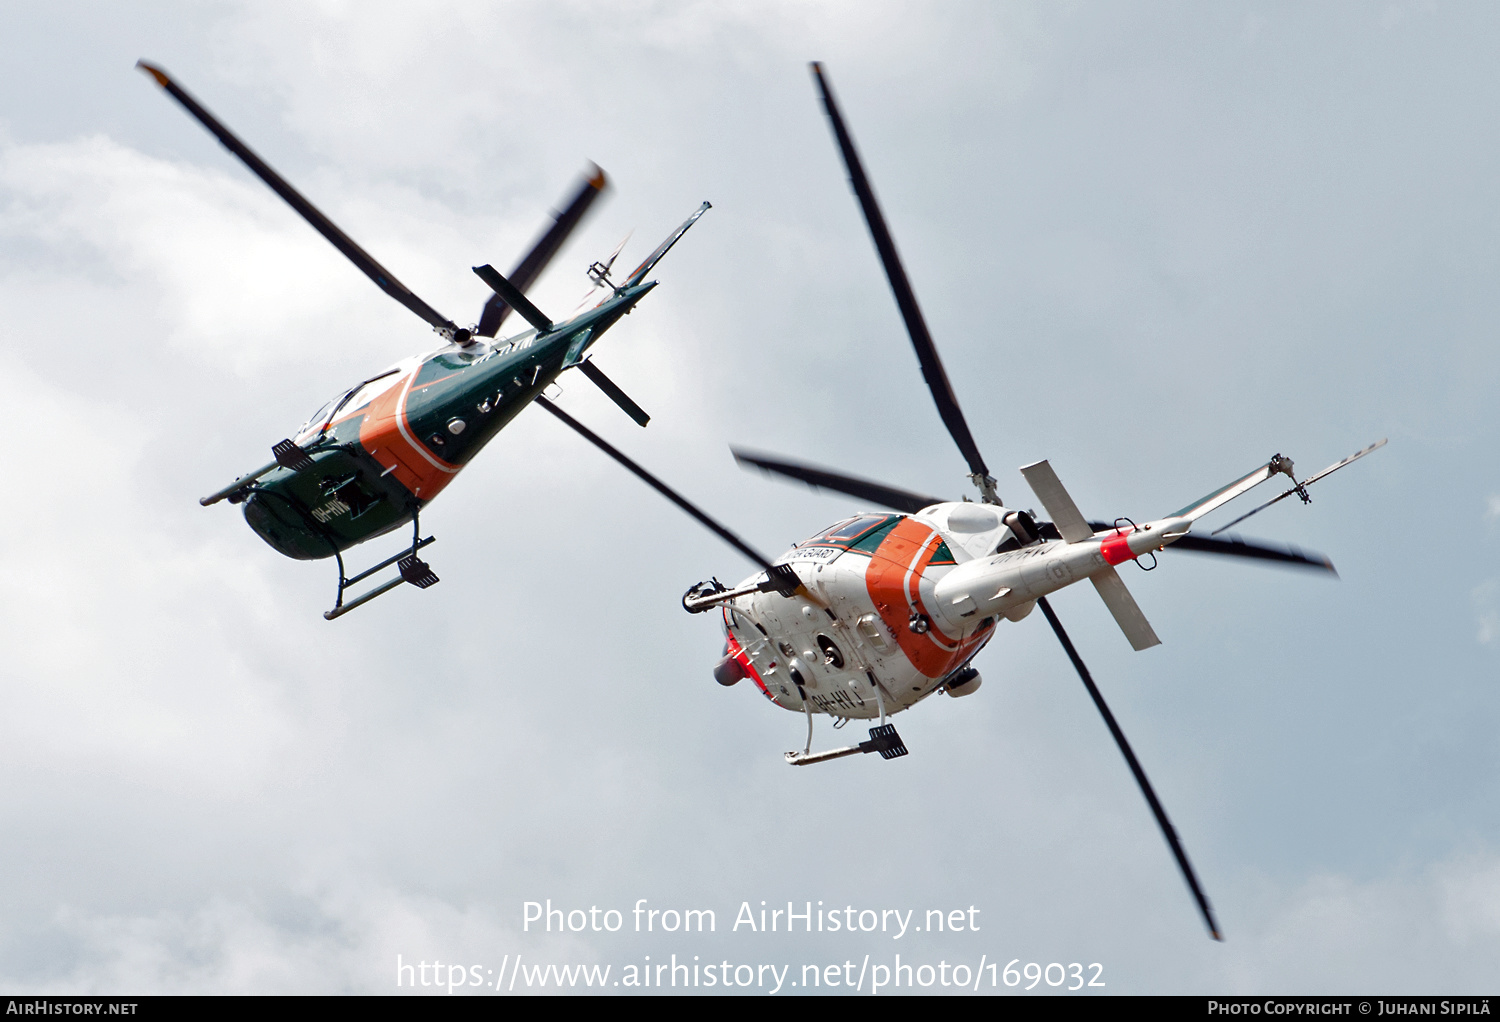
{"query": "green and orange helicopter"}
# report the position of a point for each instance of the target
(368, 461)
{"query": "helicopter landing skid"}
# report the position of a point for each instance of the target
(883, 739)
(412, 569)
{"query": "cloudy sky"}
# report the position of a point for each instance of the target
(1156, 244)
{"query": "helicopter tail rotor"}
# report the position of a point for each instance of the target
(599, 272)
(1300, 489)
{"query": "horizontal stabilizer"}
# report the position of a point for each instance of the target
(513, 297)
(535, 261)
(1127, 613)
(613, 392)
(1071, 524)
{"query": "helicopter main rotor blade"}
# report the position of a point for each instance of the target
(1289, 555)
(825, 479)
(906, 299)
(534, 262)
(382, 277)
(1135, 768)
(660, 487)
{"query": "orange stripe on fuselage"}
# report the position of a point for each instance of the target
(914, 586)
(893, 580)
(384, 436)
(343, 419)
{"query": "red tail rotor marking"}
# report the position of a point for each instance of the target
(1116, 549)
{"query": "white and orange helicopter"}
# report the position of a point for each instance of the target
(885, 608)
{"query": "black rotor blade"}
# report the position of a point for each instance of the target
(659, 486)
(932, 366)
(1236, 547)
(824, 479)
(512, 296)
(534, 262)
(1135, 767)
(382, 277)
(614, 393)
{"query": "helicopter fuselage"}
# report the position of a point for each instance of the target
(382, 450)
(864, 616)
(893, 607)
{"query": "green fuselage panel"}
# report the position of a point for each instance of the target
(377, 464)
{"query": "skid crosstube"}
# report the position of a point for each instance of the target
(411, 568)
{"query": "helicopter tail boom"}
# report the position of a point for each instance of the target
(1244, 484)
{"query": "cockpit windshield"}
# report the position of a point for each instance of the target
(351, 400)
(316, 419)
(853, 532)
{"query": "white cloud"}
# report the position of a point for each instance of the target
(338, 938)
(236, 277)
(208, 788)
